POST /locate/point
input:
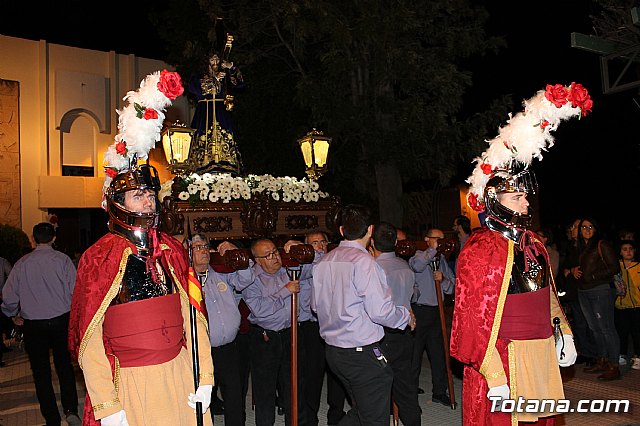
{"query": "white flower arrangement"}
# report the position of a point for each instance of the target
(226, 188)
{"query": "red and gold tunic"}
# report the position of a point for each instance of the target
(136, 356)
(522, 357)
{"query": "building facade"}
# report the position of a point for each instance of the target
(57, 116)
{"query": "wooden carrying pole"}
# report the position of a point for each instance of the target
(294, 275)
(292, 261)
(445, 335)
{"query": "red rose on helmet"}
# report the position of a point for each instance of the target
(170, 84)
(557, 94)
(544, 124)
(111, 172)
(474, 203)
(121, 147)
(579, 97)
(487, 169)
(150, 114)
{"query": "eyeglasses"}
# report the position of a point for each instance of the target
(587, 227)
(201, 247)
(321, 242)
(269, 256)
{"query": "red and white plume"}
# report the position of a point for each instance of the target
(527, 134)
(140, 122)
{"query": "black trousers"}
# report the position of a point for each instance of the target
(271, 370)
(336, 396)
(367, 381)
(314, 367)
(242, 342)
(628, 324)
(41, 336)
(398, 348)
(428, 335)
(228, 377)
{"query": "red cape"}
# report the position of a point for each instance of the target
(99, 274)
(484, 262)
(482, 280)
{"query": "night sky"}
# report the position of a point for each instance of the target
(593, 169)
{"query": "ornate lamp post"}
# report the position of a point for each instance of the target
(176, 141)
(315, 149)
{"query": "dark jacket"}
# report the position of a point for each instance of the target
(598, 266)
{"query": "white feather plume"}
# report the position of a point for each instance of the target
(523, 138)
(139, 134)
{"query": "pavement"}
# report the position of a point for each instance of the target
(19, 406)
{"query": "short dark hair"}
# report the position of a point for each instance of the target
(385, 236)
(465, 222)
(546, 232)
(44, 233)
(355, 219)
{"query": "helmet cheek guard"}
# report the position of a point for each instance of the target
(134, 226)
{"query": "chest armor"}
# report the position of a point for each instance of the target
(535, 278)
(137, 283)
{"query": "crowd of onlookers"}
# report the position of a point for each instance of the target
(598, 280)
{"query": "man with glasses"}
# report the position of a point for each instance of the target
(315, 365)
(428, 333)
(221, 298)
(269, 299)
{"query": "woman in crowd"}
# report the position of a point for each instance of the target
(596, 265)
(582, 335)
(627, 315)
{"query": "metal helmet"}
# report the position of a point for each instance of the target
(499, 217)
(134, 226)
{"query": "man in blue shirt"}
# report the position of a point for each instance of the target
(398, 343)
(221, 298)
(39, 289)
(428, 334)
(269, 299)
(353, 303)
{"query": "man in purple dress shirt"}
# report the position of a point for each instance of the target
(269, 299)
(221, 298)
(353, 303)
(38, 295)
(398, 343)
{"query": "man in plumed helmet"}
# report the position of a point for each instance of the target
(508, 327)
(129, 326)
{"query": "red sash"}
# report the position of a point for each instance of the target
(145, 332)
(526, 316)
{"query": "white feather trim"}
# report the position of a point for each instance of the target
(139, 134)
(523, 138)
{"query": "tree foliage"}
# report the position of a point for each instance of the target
(14, 243)
(385, 78)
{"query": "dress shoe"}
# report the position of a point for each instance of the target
(73, 419)
(420, 391)
(441, 399)
(599, 367)
(612, 373)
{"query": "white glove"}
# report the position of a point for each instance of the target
(498, 394)
(570, 354)
(115, 419)
(203, 395)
